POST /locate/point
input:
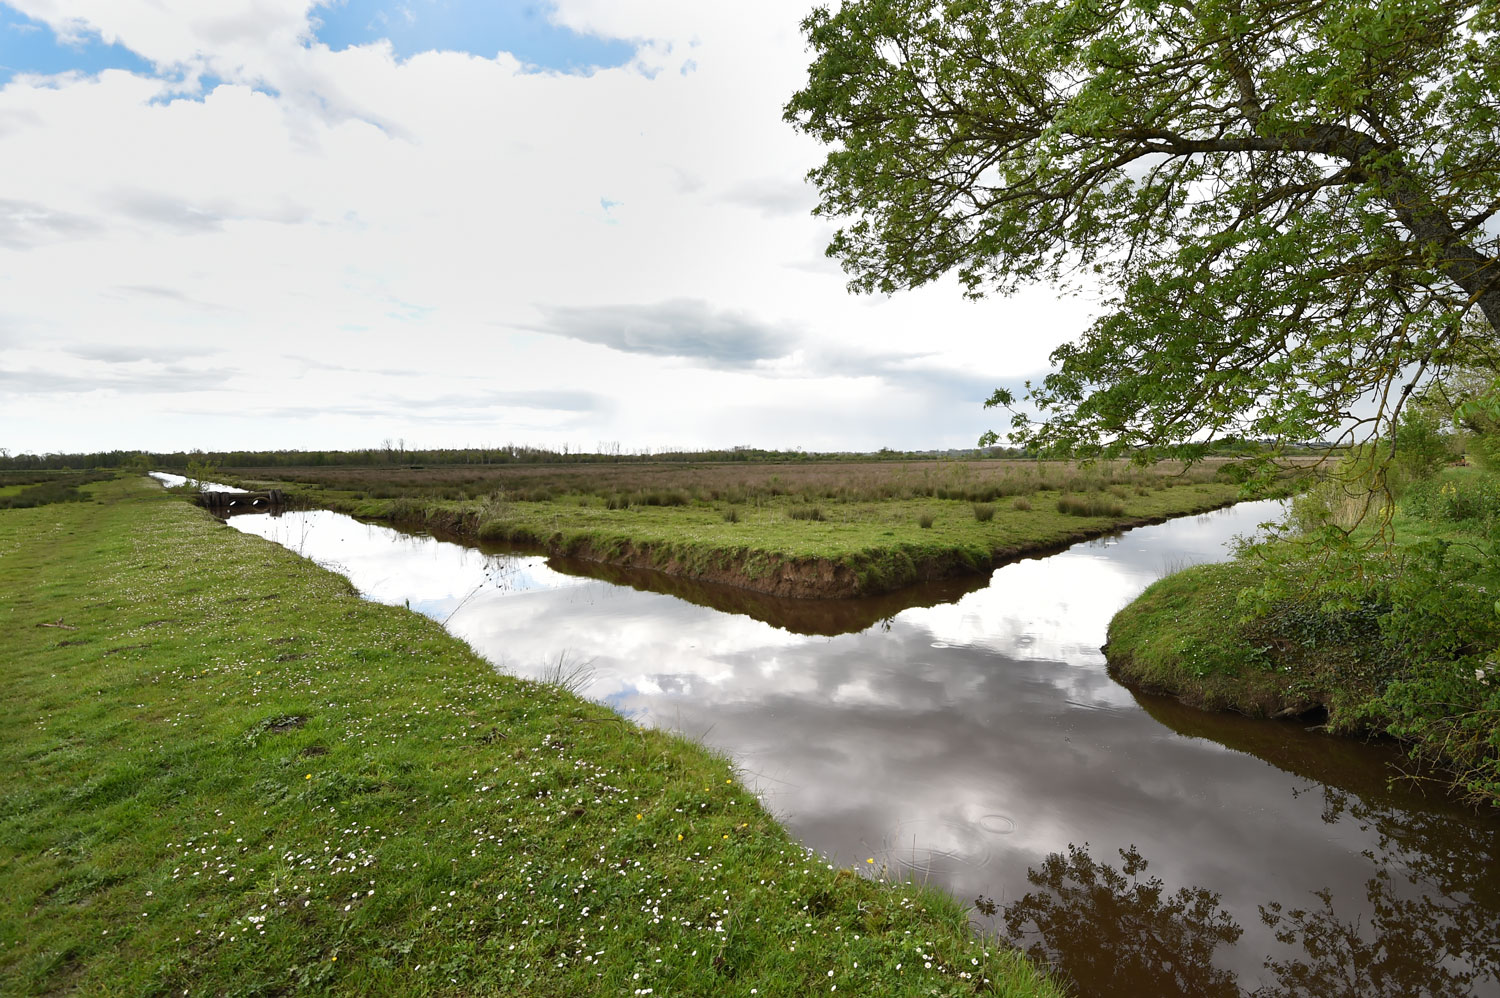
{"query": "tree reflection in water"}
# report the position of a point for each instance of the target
(1420, 933)
(1109, 931)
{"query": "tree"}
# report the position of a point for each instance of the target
(1291, 204)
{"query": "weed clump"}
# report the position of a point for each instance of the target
(1021, 504)
(806, 513)
(984, 512)
(925, 520)
(1089, 505)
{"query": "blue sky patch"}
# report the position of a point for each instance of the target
(28, 46)
(481, 27)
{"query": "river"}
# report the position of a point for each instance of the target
(979, 743)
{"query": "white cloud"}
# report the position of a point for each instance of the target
(429, 215)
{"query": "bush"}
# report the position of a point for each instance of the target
(662, 498)
(1472, 498)
(1483, 450)
(1421, 451)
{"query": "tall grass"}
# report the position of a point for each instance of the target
(1090, 505)
(622, 486)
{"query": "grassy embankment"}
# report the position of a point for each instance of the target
(833, 530)
(224, 773)
(1398, 642)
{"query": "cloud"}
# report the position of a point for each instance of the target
(773, 196)
(558, 400)
(917, 373)
(289, 227)
(160, 209)
(167, 381)
(108, 353)
(681, 327)
(25, 224)
(127, 291)
(479, 407)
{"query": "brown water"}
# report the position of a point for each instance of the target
(969, 735)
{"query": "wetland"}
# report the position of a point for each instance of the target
(973, 739)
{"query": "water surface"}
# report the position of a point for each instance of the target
(980, 744)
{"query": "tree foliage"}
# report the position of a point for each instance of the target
(1291, 204)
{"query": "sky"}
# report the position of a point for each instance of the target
(287, 224)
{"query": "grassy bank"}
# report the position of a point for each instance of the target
(1397, 640)
(224, 773)
(820, 531)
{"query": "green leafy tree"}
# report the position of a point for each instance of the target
(1291, 204)
(1467, 401)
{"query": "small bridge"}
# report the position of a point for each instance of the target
(228, 503)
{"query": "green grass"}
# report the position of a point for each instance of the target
(781, 543)
(21, 491)
(224, 773)
(1400, 640)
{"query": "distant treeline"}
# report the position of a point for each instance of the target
(375, 456)
(508, 454)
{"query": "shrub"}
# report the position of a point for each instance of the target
(662, 497)
(1421, 450)
(1475, 497)
(984, 512)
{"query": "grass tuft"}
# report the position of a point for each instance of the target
(1089, 505)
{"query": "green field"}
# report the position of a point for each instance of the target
(819, 530)
(222, 772)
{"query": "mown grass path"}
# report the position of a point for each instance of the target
(221, 772)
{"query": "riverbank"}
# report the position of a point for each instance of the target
(1397, 642)
(810, 541)
(226, 773)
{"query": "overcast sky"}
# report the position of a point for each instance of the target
(284, 224)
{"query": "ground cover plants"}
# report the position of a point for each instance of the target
(224, 773)
(19, 490)
(1382, 613)
(815, 530)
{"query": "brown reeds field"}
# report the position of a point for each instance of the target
(672, 483)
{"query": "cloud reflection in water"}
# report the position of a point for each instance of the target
(963, 743)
